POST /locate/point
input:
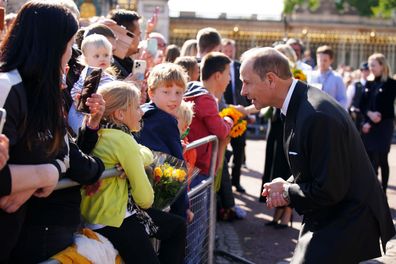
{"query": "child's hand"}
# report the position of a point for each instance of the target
(190, 216)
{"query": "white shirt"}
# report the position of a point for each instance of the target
(285, 105)
(232, 78)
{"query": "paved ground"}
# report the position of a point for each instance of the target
(260, 244)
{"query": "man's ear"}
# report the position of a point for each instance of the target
(271, 77)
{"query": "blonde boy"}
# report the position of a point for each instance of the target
(166, 86)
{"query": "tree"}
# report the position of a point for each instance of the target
(381, 8)
(291, 5)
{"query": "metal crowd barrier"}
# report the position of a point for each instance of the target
(201, 232)
(206, 217)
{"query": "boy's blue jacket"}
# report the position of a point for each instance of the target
(160, 133)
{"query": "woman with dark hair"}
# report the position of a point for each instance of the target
(377, 106)
(172, 52)
(33, 59)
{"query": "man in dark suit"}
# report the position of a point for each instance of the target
(333, 184)
(232, 95)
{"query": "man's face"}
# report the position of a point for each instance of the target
(324, 61)
(297, 50)
(228, 50)
(133, 49)
(255, 89)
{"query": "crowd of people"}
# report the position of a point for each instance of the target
(46, 63)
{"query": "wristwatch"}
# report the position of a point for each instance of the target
(285, 193)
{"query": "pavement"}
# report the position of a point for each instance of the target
(254, 242)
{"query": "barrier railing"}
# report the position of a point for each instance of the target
(201, 236)
(206, 187)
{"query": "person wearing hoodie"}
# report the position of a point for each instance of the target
(215, 76)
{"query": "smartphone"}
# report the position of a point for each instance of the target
(139, 69)
(2, 21)
(91, 84)
(124, 40)
(152, 46)
(3, 115)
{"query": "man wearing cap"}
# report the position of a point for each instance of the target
(354, 93)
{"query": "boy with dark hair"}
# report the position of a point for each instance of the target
(326, 79)
(208, 39)
(215, 75)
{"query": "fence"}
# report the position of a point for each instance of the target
(201, 232)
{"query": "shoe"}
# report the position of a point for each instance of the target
(239, 188)
(226, 214)
(281, 226)
(271, 223)
(239, 212)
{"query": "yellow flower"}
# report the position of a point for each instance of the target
(158, 172)
(299, 74)
(240, 125)
(232, 113)
(180, 174)
(168, 172)
(238, 129)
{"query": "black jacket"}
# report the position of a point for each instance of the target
(61, 208)
(240, 100)
(335, 188)
(379, 96)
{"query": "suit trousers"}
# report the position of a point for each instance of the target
(238, 152)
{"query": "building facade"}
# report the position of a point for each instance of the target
(352, 37)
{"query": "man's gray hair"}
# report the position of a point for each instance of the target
(267, 60)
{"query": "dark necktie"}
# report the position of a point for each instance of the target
(282, 117)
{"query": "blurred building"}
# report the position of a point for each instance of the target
(353, 37)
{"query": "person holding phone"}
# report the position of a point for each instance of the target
(130, 21)
(31, 93)
(4, 142)
(96, 53)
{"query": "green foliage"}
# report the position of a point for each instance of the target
(291, 5)
(381, 8)
(384, 8)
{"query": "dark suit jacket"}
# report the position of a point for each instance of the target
(335, 188)
(242, 100)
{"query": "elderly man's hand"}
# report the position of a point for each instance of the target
(273, 192)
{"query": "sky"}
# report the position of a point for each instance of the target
(264, 9)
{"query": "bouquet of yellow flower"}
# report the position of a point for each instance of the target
(240, 125)
(169, 177)
(299, 75)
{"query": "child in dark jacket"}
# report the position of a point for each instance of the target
(166, 86)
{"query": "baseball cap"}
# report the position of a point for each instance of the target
(364, 66)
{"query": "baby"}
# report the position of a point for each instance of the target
(96, 53)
